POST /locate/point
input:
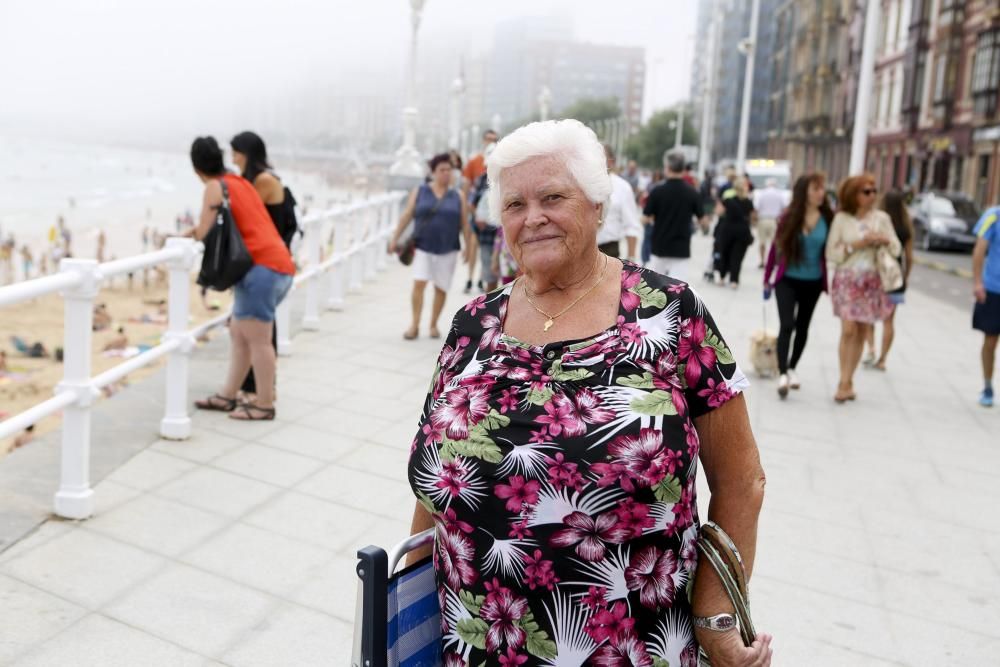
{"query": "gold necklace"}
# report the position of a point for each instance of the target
(552, 318)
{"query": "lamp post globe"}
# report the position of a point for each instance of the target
(408, 169)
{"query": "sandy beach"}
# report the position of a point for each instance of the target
(31, 381)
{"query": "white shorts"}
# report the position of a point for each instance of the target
(675, 267)
(435, 269)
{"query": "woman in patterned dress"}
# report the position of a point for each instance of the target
(858, 230)
(557, 451)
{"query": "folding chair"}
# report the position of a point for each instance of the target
(398, 620)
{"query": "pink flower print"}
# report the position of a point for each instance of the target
(613, 473)
(590, 408)
(631, 332)
(538, 572)
(692, 440)
(630, 300)
(450, 355)
(683, 511)
(610, 624)
(518, 492)
(432, 433)
(689, 556)
(561, 416)
(586, 533)
(452, 659)
(665, 378)
(450, 478)
(677, 288)
(502, 610)
(484, 382)
(628, 651)
(453, 554)
(540, 436)
(519, 530)
(563, 473)
(477, 304)
(649, 572)
(643, 456)
(633, 519)
(491, 332)
(449, 520)
(672, 460)
(508, 400)
(464, 406)
(512, 659)
(691, 350)
(595, 598)
(717, 393)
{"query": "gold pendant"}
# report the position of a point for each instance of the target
(548, 324)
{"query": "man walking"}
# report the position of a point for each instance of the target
(672, 208)
(474, 169)
(621, 220)
(986, 277)
(769, 203)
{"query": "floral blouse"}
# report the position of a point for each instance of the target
(561, 480)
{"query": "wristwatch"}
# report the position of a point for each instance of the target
(719, 622)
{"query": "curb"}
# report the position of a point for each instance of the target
(944, 268)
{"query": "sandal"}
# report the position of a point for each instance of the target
(217, 403)
(411, 334)
(245, 409)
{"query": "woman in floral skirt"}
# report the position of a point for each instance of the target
(557, 452)
(859, 229)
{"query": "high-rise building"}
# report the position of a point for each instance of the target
(734, 17)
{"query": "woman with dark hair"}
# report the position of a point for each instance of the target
(858, 231)
(894, 203)
(796, 259)
(440, 216)
(257, 294)
(250, 156)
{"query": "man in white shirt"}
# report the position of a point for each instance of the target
(769, 202)
(621, 217)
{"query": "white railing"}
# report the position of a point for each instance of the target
(359, 230)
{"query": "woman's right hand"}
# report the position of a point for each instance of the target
(392, 246)
(726, 649)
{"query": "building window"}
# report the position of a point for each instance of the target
(986, 73)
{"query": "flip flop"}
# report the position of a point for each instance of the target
(267, 414)
(410, 335)
(212, 403)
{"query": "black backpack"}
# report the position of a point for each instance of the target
(287, 223)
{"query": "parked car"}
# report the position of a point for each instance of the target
(944, 220)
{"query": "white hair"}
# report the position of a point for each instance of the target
(569, 141)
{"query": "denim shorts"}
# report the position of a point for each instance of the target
(259, 293)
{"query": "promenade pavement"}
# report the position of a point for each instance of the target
(878, 542)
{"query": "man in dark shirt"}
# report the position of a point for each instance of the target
(672, 208)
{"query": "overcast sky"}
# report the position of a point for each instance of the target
(98, 66)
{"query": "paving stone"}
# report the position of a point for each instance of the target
(29, 616)
(268, 464)
(294, 636)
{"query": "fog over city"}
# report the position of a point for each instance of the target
(139, 71)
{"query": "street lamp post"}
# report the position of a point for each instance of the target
(544, 103)
(679, 136)
(708, 97)
(862, 107)
(455, 113)
(748, 46)
(407, 166)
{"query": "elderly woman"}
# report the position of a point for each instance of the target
(858, 230)
(557, 450)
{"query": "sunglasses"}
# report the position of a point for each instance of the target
(869, 191)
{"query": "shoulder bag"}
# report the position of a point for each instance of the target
(889, 270)
(406, 248)
(226, 259)
(721, 553)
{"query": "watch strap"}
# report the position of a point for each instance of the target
(718, 623)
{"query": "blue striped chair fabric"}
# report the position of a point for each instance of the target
(414, 630)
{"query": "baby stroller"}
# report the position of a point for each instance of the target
(397, 620)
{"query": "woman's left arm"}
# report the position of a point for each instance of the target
(735, 477)
(210, 204)
(466, 230)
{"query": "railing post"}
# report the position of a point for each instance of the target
(336, 291)
(382, 257)
(75, 498)
(176, 423)
(356, 264)
(310, 321)
(371, 242)
(283, 324)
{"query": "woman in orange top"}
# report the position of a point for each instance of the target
(257, 294)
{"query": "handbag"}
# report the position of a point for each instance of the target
(407, 247)
(226, 259)
(721, 553)
(889, 270)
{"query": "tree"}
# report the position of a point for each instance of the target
(592, 109)
(657, 136)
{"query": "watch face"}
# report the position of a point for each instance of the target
(725, 623)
